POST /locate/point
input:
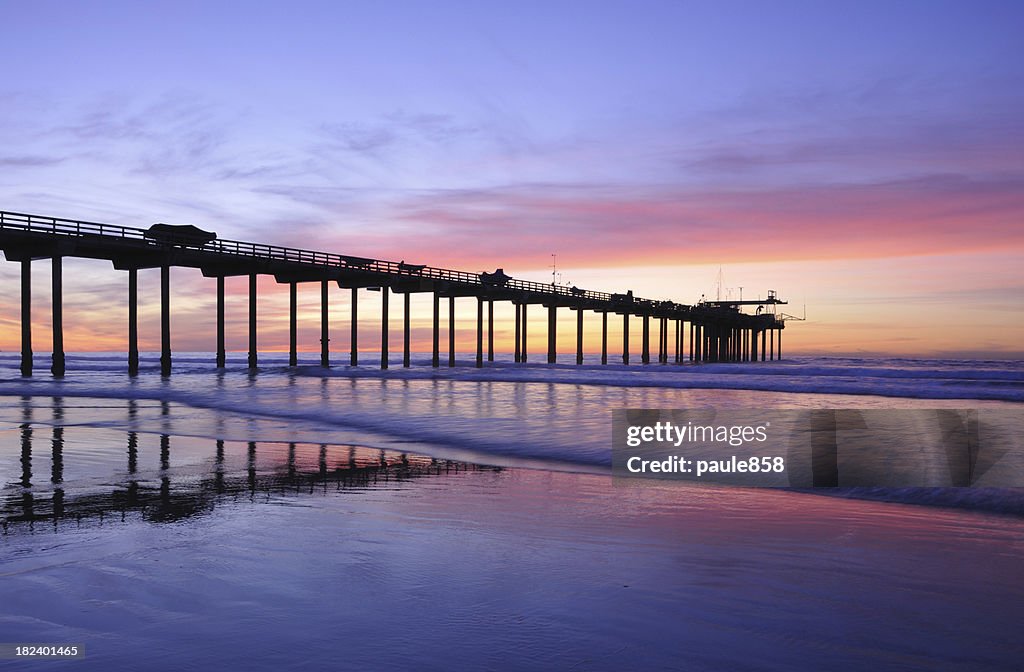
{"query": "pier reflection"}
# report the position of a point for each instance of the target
(118, 483)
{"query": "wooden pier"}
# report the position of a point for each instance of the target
(718, 331)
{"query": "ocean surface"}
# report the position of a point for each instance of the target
(462, 518)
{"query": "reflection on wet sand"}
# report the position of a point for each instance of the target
(165, 494)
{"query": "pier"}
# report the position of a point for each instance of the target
(715, 331)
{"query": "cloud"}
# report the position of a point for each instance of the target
(29, 161)
(603, 225)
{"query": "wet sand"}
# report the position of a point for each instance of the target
(279, 556)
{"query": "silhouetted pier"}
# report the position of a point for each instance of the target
(718, 331)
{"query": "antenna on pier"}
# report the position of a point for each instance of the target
(718, 290)
(554, 269)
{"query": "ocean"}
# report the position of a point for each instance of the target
(462, 518)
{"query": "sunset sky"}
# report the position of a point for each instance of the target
(863, 158)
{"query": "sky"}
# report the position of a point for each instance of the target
(863, 159)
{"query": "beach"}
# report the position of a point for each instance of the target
(159, 534)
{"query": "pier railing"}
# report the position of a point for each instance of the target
(83, 229)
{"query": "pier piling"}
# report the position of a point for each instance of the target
(252, 321)
(552, 325)
(435, 359)
(57, 365)
(165, 320)
(133, 321)
(645, 342)
(406, 318)
(451, 330)
(384, 327)
(479, 332)
(353, 358)
(579, 336)
(490, 330)
(604, 336)
(625, 338)
(221, 352)
(325, 326)
(26, 317)
(516, 355)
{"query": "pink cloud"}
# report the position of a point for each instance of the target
(520, 227)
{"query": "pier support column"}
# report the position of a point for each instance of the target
(753, 345)
(665, 329)
(133, 322)
(490, 330)
(645, 343)
(625, 338)
(384, 327)
(435, 359)
(165, 320)
(579, 336)
(764, 338)
(451, 331)
(325, 326)
(780, 344)
(353, 358)
(661, 340)
(221, 354)
(479, 332)
(252, 321)
(57, 364)
(679, 342)
(406, 318)
(26, 317)
(693, 328)
(293, 324)
(552, 326)
(771, 345)
(522, 350)
(518, 336)
(604, 336)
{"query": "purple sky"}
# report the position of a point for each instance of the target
(645, 143)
